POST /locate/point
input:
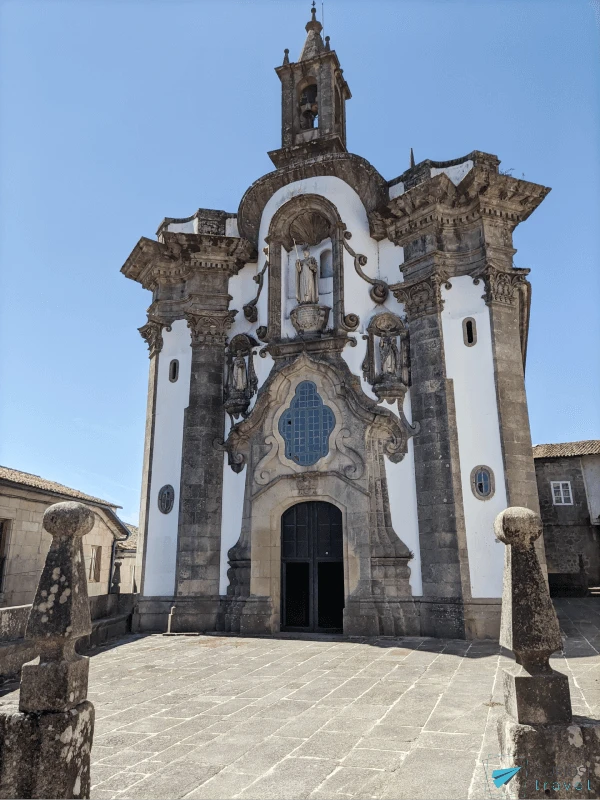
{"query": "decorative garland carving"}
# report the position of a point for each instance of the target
(423, 296)
(379, 289)
(151, 333)
(241, 382)
(250, 309)
(210, 327)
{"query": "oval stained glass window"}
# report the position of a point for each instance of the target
(306, 426)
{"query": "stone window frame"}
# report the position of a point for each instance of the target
(474, 489)
(473, 322)
(560, 500)
(174, 370)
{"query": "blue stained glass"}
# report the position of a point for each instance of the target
(306, 425)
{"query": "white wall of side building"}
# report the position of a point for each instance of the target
(171, 401)
(472, 372)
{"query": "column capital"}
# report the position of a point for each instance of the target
(151, 333)
(210, 327)
(422, 296)
(501, 286)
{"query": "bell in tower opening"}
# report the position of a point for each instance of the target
(309, 108)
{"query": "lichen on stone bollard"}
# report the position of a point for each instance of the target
(60, 615)
(45, 743)
(538, 732)
(534, 692)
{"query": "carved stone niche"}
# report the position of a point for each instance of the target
(387, 363)
(241, 382)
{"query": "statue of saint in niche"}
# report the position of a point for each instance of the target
(307, 288)
(390, 357)
(239, 375)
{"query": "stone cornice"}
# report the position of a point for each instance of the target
(179, 255)
(437, 204)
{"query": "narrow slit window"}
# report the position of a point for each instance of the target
(173, 370)
(469, 331)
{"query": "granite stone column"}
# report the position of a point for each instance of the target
(201, 488)
(442, 537)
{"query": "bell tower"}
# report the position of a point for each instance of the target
(313, 99)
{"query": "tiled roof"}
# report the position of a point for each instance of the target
(129, 544)
(591, 447)
(35, 482)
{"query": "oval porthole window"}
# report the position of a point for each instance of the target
(166, 498)
(469, 331)
(173, 370)
(482, 482)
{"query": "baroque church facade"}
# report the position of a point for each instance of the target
(336, 404)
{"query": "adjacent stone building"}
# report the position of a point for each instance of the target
(24, 544)
(568, 478)
(336, 406)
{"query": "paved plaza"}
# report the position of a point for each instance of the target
(225, 716)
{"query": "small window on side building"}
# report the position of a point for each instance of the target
(469, 331)
(173, 370)
(95, 564)
(561, 493)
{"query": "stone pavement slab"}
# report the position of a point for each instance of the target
(231, 717)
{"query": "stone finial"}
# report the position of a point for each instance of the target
(286, 56)
(59, 616)
(534, 692)
(115, 582)
(327, 45)
(412, 158)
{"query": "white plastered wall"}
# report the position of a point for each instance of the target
(383, 262)
(472, 371)
(171, 401)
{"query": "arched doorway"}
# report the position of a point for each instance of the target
(312, 568)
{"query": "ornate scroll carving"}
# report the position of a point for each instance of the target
(241, 382)
(387, 363)
(250, 309)
(151, 333)
(209, 327)
(379, 289)
(423, 296)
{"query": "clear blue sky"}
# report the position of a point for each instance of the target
(116, 114)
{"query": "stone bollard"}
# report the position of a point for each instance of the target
(45, 746)
(556, 751)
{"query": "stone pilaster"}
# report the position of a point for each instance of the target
(151, 332)
(503, 299)
(442, 537)
(201, 488)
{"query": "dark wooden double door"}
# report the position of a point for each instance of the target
(312, 568)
